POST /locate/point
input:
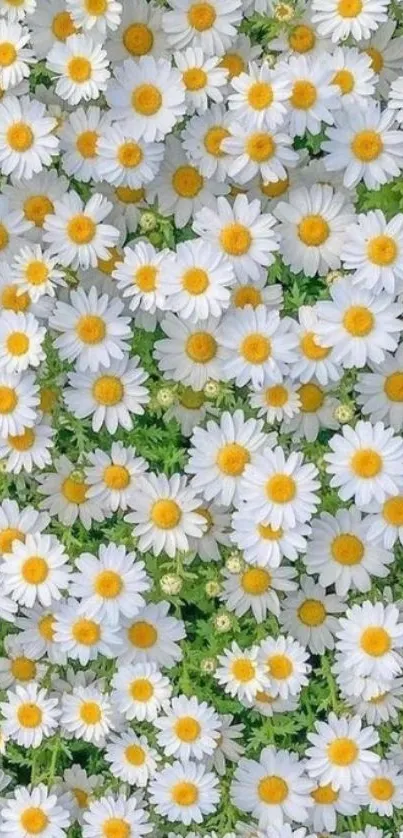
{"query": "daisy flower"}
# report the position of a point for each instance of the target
(189, 729)
(131, 758)
(65, 493)
(184, 792)
(285, 663)
(202, 76)
(312, 98)
(382, 708)
(385, 521)
(211, 25)
(254, 589)
(239, 55)
(16, 523)
(35, 570)
(34, 199)
(21, 340)
(386, 53)
(370, 637)
(241, 673)
(52, 22)
(17, 668)
(148, 95)
(86, 713)
(111, 584)
(272, 789)
(15, 56)
(123, 160)
(29, 715)
(140, 691)
(202, 140)
(358, 18)
(341, 752)
(139, 278)
(364, 146)
(82, 638)
(112, 395)
(81, 67)
(308, 615)
(35, 273)
(139, 32)
(34, 811)
(365, 462)
(27, 141)
(96, 16)
(353, 75)
(153, 637)
(76, 790)
(373, 249)
(328, 804)
(190, 353)
(228, 748)
(383, 792)
(18, 403)
(37, 634)
(196, 281)
(117, 813)
(260, 100)
(164, 514)
(113, 476)
(13, 227)
(75, 232)
(315, 360)
(275, 401)
(380, 393)
(216, 534)
(242, 232)
(17, 11)
(317, 411)
(263, 545)
(79, 141)
(258, 152)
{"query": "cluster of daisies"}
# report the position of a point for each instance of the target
(201, 418)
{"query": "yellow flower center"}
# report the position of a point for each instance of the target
(342, 751)
(377, 60)
(23, 669)
(135, 755)
(36, 208)
(312, 612)
(313, 230)
(91, 329)
(129, 196)
(48, 399)
(108, 584)
(12, 301)
(79, 69)
(276, 396)
(264, 698)
(63, 26)
(235, 239)
(36, 273)
(393, 386)
(260, 147)
(234, 63)
(247, 295)
(195, 281)
(81, 229)
(4, 237)
(46, 627)
(129, 155)
(256, 348)
(86, 632)
(194, 79)
(20, 137)
(201, 347)
(367, 146)
(382, 251)
(302, 39)
(267, 532)
(213, 138)
(184, 793)
(243, 670)
(275, 189)
(17, 343)
(138, 39)
(281, 488)
(146, 278)
(206, 514)
(345, 81)
(358, 321)
(8, 400)
(166, 514)
(34, 820)
(141, 689)
(375, 641)
(29, 715)
(256, 581)
(96, 7)
(74, 491)
(303, 95)
(187, 182)
(107, 266)
(8, 54)
(272, 790)
(280, 666)
(324, 795)
(81, 797)
(146, 99)
(86, 144)
(347, 549)
(311, 348)
(90, 712)
(108, 390)
(142, 635)
(201, 16)
(349, 8)
(191, 399)
(312, 397)
(366, 463)
(116, 477)
(35, 570)
(7, 537)
(382, 788)
(232, 459)
(116, 828)
(187, 729)
(260, 95)
(392, 511)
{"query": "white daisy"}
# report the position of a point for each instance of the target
(184, 792)
(380, 392)
(385, 522)
(27, 139)
(353, 75)
(13, 228)
(263, 545)
(202, 76)
(308, 615)
(87, 714)
(15, 56)
(254, 589)
(75, 232)
(140, 691)
(35, 273)
(18, 403)
(17, 668)
(317, 411)
(285, 663)
(96, 16)
(216, 534)
(34, 811)
(358, 18)
(124, 160)
(202, 140)
(383, 792)
(113, 476)
(370, 638)
(190, 353)
(260, 100)
(131, 758)
(312, 97)
(373, 249)
(21, 340)
(29, 715)
(79, 141)
(37, 634)
(328, 804)
(241, 673)
(139, 32)
(386, 53)
(210, 24)
(258, 152)
(51, 22)
(189, 729)
(275, 402)
(196, 281)
(34, 199)
(82, 638)
(65, 493)
(36, 570)
(340, 752)
(81, 67)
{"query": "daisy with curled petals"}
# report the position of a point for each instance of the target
(65, 494)
(112, 476)
(353, 75)
(196, 281)
(139, 32)
(152, 637)
(258, 346)
(364, 146)
(263, 545)
(165, 514)
(35, 273)
(312, 98)
(190, 353)
(342, 552)
(35, 810)
(311, 616)
(96, 16)
(272, 789)
(83, 638)
(32, 448)
(260, 100)
(93, 332)
(365, 462)
(219, 455)
(202, 140)
(15, 56)
(140, 691)
(75, 233)
(210, 24)
(124, 813)
(79, 141)
(21, 340)
(139, 280)
(123, 160)
(189, 729)
(254, 589)
(341, 18)
(27, 139)
(261, 152)
(370, 637)
(149, 95)
(360, 325)
(241, 232)
(81, 68)
(202, 76)
(29, 715)
(111, 395)
(373, 250)
(282, 491)
(184, 792)
(241, 673)
(312, 228)
(131, 759)
(87, 714)
(18, 402)
(111, 584)
(380, 392)
(341, 752)
(286, 667)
